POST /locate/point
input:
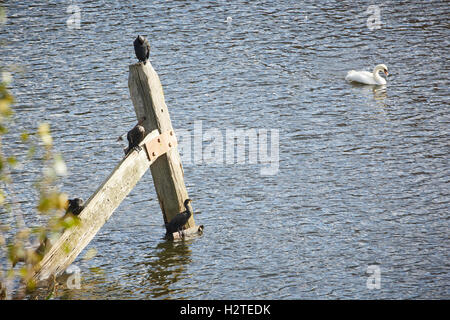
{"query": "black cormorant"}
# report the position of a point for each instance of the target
(75, 206)
(135, 137)
(177, 222)
(142, 49)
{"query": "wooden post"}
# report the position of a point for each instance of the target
(160, 154)
(148, 99)
(96, 212)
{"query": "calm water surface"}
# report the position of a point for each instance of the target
(363, 174)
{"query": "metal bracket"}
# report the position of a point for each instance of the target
(160, 145)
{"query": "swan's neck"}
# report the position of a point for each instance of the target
(377, 76)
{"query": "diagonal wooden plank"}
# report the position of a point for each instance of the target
(98, 209)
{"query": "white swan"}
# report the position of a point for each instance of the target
(366, 77)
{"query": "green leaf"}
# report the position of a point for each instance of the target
(3, 129)
(12, 161)
(31, 152)
(24, 136)
(91, 253)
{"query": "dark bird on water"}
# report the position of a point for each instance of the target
(142, 49)
(177, 222)
(135, 137)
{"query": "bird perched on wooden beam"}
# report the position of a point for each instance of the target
(135, 137)
(177, 223)
(75, 206)
(142, 49)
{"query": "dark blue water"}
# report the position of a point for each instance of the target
(363, 175)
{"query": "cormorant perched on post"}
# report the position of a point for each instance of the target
(177, 222)
(75, 206)
(142, 49)
(135, 137)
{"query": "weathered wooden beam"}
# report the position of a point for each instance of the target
(161, 155)
(148, 100)
(187, 233)
(99, 207)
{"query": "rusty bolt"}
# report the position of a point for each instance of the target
(170, 145)
(153, 154)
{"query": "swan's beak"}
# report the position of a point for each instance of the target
(386, 73)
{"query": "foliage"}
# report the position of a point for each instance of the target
(52, 203)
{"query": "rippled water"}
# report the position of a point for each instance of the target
(363, 174)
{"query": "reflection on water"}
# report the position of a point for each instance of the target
(380, 93)
(166, 267)
(363, 171)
